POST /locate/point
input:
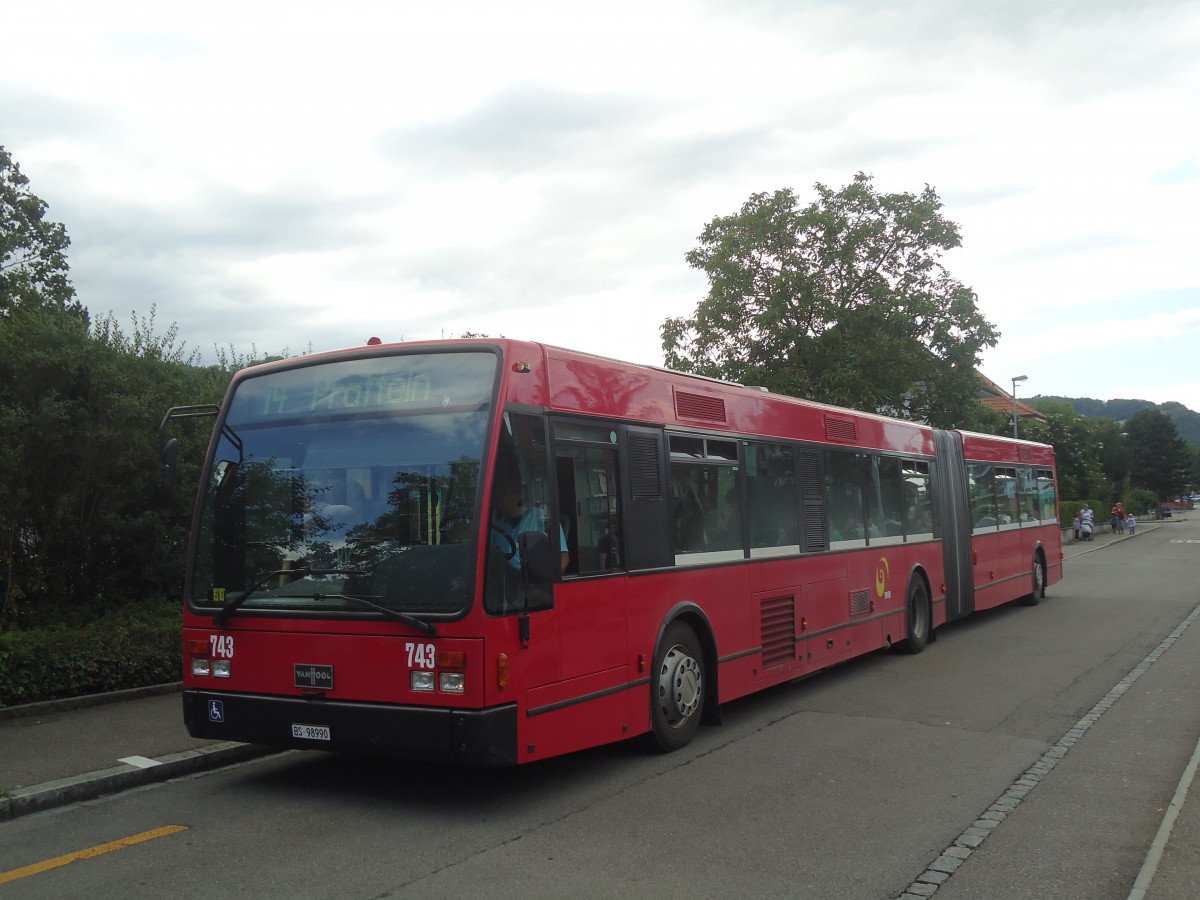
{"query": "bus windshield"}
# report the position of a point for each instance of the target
(347, 487)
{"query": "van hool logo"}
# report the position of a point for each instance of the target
(882, 571)
(310, 676)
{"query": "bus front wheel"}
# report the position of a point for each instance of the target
(918, 616)
(677, 688)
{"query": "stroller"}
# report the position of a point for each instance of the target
(1085, 530)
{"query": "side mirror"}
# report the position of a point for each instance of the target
(536, 563)
(166, 467)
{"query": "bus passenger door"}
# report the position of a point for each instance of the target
(588, 702)
(590, 602)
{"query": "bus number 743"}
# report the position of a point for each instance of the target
(420, 656)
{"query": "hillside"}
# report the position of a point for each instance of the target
(1186, 421)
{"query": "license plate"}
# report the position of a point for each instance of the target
(310, 732)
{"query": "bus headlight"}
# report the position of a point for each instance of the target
(420, 681)
(452, 682)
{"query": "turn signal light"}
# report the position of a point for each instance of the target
(502, 671)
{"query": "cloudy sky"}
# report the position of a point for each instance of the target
(287, 177)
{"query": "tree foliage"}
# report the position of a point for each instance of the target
(1161, 460)
(1100, 459)
(845, 301)
(82, 523)
(33, 250)
(1074, 437)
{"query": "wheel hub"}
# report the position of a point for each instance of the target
(679, 684)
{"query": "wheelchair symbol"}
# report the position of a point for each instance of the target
(216, 710)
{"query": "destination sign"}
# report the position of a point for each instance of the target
(378, 385)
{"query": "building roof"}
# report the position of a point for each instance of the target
(999, 400)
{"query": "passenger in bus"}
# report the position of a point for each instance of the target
(723, 526)
(513, 517)
(609, 548)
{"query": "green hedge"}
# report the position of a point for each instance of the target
(125, 650)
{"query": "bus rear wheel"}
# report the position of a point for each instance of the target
(918, 616)
(1039, 581)
(677, 688)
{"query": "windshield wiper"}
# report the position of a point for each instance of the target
(419, 624)
(221, 618)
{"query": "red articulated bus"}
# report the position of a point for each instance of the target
(492, 552)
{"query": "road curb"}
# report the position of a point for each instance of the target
(35, 798)
(66, 704)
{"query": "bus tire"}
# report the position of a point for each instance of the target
(1039, 581)
(918, 617)
(677, 688)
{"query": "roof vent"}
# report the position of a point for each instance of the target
(841, 428)
(699, 406)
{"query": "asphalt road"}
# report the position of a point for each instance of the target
(1028, 752)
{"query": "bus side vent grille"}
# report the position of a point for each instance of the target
(778, 631)
(814, 526)
(698, 406)
(645, 479)
(860, 602)
(840, 428)
(811, 483)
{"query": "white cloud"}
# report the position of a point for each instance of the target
(298, 175)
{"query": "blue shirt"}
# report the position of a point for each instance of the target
(534, 519)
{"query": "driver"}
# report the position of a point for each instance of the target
(513, 518)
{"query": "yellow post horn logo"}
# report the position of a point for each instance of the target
(882, 571)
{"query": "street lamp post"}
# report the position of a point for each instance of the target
(1014, 396)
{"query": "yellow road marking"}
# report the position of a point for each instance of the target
(98, 850)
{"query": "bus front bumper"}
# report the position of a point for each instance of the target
(484, 737)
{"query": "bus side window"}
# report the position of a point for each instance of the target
(690, 508)
(773, 497)
(885, 493)
(588, 500)
(918, 499)
(844, 473)
(983, 497)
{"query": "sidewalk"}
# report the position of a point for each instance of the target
(65, 751)
(1103, 536)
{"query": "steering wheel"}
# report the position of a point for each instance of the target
(512, 545)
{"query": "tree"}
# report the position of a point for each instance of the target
(844, 301)
(1161, 461)
(83, 525)
(1115, 455)
(33, 260)
(1074, 438)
